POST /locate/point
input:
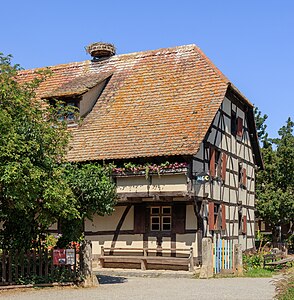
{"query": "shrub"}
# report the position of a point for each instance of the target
(252, 261)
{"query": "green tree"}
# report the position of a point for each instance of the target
(261, 126)
(36, 186)
(32, 192)
(274, 185)
(95, 193)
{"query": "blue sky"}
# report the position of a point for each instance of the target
(251, 42)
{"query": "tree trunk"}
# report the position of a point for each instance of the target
(89, 278)
(275, 234)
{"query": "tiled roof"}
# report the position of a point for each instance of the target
(157, 103)
(78, 85)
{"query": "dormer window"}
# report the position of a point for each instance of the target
(79, 95)
(73, 106)
(68, 109)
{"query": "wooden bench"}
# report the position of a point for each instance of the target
(276, 259)
(127, 255)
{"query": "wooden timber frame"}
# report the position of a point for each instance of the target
(223, 208)
(232, 185)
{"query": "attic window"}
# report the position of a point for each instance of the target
(69, 107)
(236, 125)
(215, 162)
(233, 123)
(239, 124)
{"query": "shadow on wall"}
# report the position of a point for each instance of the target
(104, 279)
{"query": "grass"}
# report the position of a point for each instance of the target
(288, 295)
(285, 286)
(259, 272)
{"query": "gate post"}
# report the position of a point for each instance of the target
(89, 278)
(206, 270)
(238, 258)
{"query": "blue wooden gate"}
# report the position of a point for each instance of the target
(222, 254)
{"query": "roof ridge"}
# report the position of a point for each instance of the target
(135, 55)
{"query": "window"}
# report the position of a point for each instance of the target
(224, 167)
(239, 126)
(215, 216)
(236, 125)
(215, 162)
(242, 222)
(242, 175)
(233, 123)
(160, 218)
(68, 108)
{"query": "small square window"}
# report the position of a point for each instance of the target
(166, 210)
(155, 210)
(155, 223)
(160, 218)
(166, 223)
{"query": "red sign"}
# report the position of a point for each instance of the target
(59, 257)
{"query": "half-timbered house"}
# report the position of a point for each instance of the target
(183, 139)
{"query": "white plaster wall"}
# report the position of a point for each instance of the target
(186, 241)
(191, 219)
(227, 106)
(89, 99)
(123, 241)
(103, 223)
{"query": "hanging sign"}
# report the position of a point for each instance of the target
(202, 178)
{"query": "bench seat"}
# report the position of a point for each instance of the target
(144, 260)
(280, 262)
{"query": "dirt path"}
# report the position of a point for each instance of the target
(158, 288)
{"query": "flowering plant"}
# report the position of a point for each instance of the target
(149, 168)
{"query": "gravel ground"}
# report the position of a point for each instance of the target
(112, 287)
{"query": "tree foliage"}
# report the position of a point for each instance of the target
(36, 186)
(94, 192)
(275, 184)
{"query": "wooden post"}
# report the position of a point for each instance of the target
(9, 267)
(40, 262)
(102, 259)
(15, 264)
(52, 268)
(29, 262)
(90, 279)
(143, 264)
(4, 266)
(22, 263)
(46, 263)
(191, 260)
(34, 263)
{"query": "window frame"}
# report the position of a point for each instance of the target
(67, 102)
(161, 215)
(233, 123)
